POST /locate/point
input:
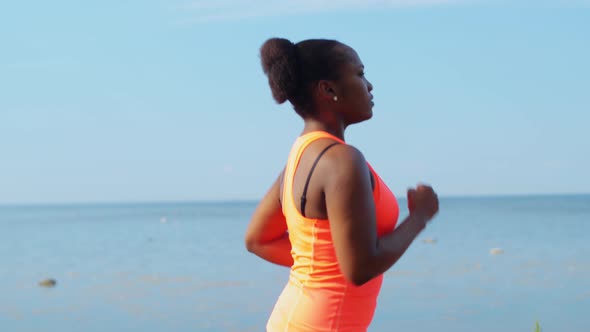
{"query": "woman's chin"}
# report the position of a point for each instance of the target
(365, 117)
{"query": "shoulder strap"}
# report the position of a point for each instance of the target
(303, 195)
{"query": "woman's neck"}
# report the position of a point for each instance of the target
(335, 129)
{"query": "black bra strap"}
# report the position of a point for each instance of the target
(303, 197)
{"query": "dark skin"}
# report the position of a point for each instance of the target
(341, 188)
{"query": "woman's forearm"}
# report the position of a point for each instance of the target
(392, 246)
(277, 251)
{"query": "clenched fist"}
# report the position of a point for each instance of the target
(422, 202)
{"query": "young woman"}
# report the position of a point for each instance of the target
(329, 216)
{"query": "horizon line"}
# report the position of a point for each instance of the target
(250, 201)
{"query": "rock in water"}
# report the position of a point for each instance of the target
(48, 283)
(496, 251)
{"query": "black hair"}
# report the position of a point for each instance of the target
(292, 68)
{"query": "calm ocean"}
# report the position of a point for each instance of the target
(183, 267)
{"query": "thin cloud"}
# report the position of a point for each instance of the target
(231, 10)
(227, 169)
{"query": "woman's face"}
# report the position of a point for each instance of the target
(354, 90)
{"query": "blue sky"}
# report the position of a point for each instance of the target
(128, 101)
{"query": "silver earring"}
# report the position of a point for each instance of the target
(335, 98)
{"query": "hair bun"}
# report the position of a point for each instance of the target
(279, 63)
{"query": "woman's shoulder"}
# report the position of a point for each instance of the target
(345, 152)
(345, 160)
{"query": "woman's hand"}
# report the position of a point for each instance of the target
(267, 235)
(422, 202)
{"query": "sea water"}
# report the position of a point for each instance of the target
(183, 267)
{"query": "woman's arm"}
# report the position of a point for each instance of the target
(267, 235)
(351, 211)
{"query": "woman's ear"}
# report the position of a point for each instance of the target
(326, 90)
